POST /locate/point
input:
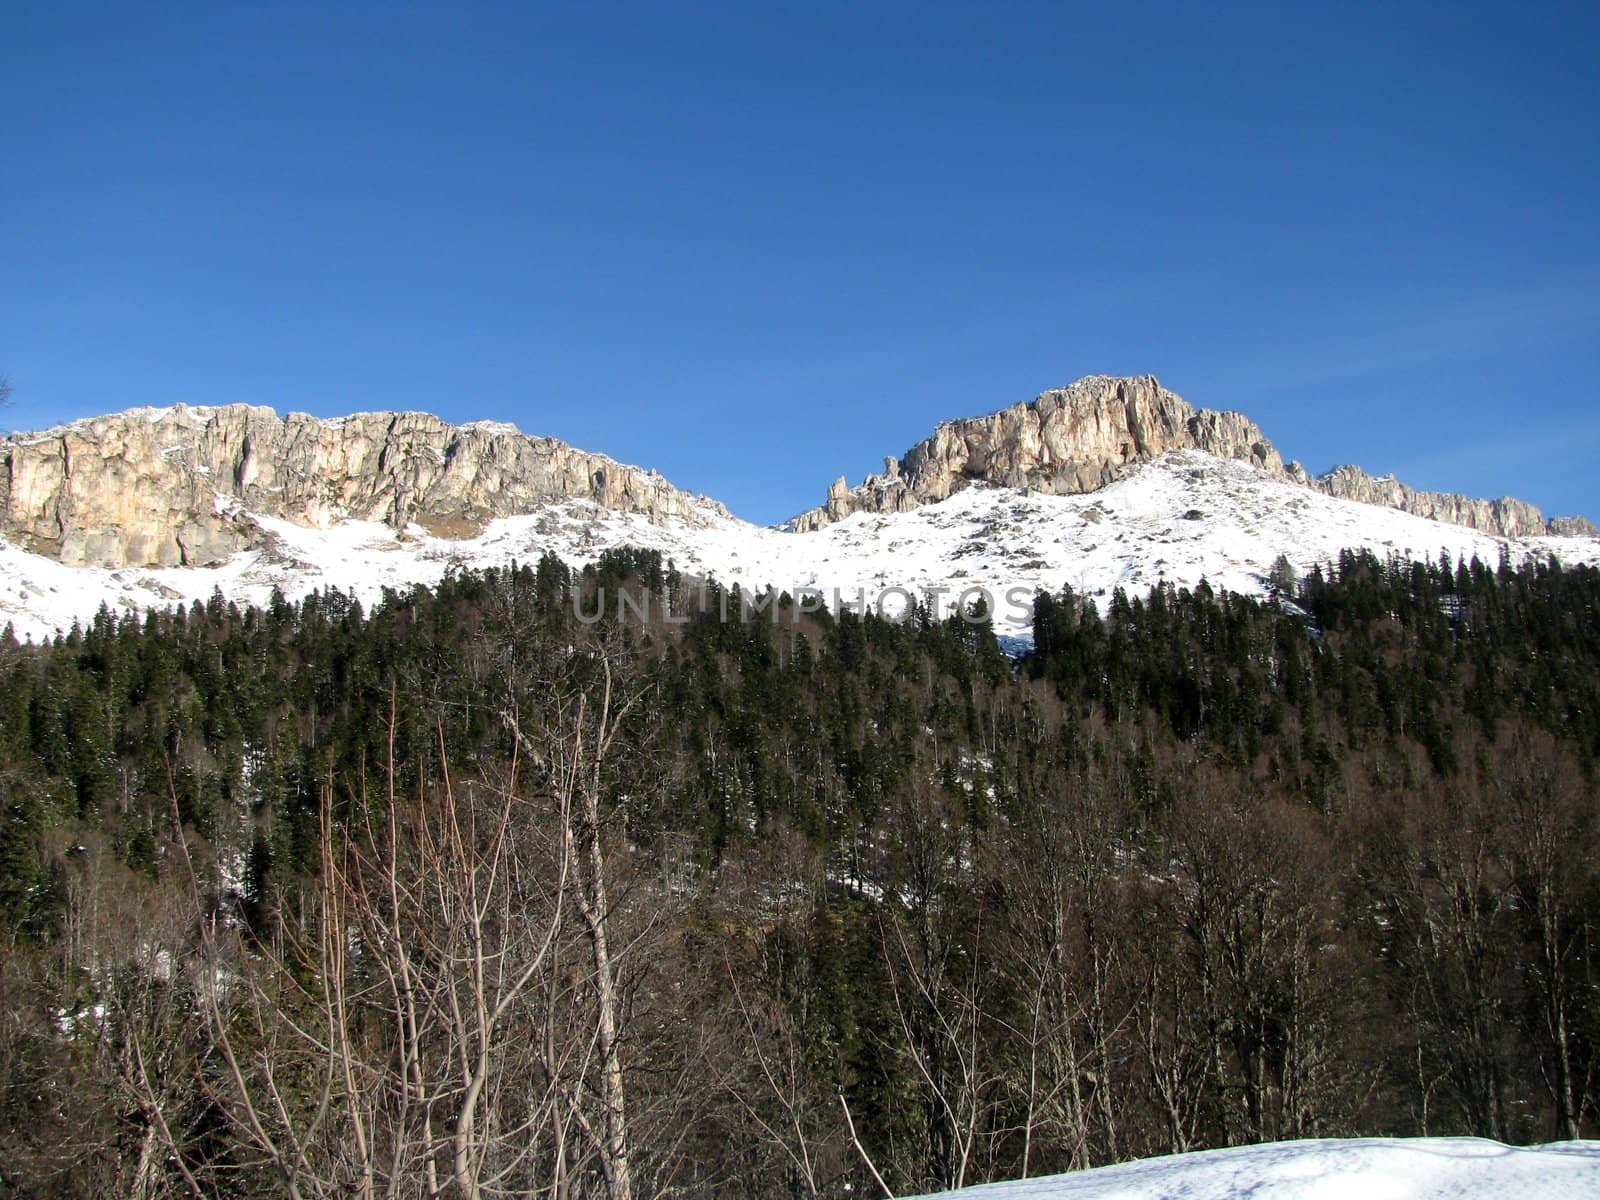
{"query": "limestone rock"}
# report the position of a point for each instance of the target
(1573, 527)
(1505, 517)
(1078, 438)
(179, 486)
(184, 486)
(1069, 440)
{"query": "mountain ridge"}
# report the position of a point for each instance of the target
(183, 486)
(154, 507)
(1078, 438)
(1179, 519)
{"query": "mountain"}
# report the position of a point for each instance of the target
(1168, 882)
(1067, 441)
(1078, 438)
(184, 486)
(1107, 483)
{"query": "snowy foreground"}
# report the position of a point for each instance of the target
(1333, 1169)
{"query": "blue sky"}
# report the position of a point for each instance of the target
(756, 246)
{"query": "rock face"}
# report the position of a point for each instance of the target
(183, 486)
(1505, 517)
(1077, 438)
(1573, 527)
(176, 487)
(1073, 439)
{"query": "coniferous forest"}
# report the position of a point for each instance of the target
(464, 896)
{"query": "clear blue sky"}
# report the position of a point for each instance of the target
(756, 246)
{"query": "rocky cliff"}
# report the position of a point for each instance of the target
(184, 486)
(1505, 516)
(1069, 440)
(1078, 438)
(171, 487)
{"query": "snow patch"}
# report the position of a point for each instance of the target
(1331, 1169)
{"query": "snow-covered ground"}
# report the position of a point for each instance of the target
(1353, 1169)
(1180, 518)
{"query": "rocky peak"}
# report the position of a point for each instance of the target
(1078, 438)
(1064, 441)
(179, 486)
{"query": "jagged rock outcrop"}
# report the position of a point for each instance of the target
(177, 486)
(1505, 517)
(1078, 438)
(1069, 440)
(1573, 527)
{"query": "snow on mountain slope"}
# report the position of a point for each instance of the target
(1331, 1169)
(1180, 518)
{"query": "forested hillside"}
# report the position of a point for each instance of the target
(466, 896)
